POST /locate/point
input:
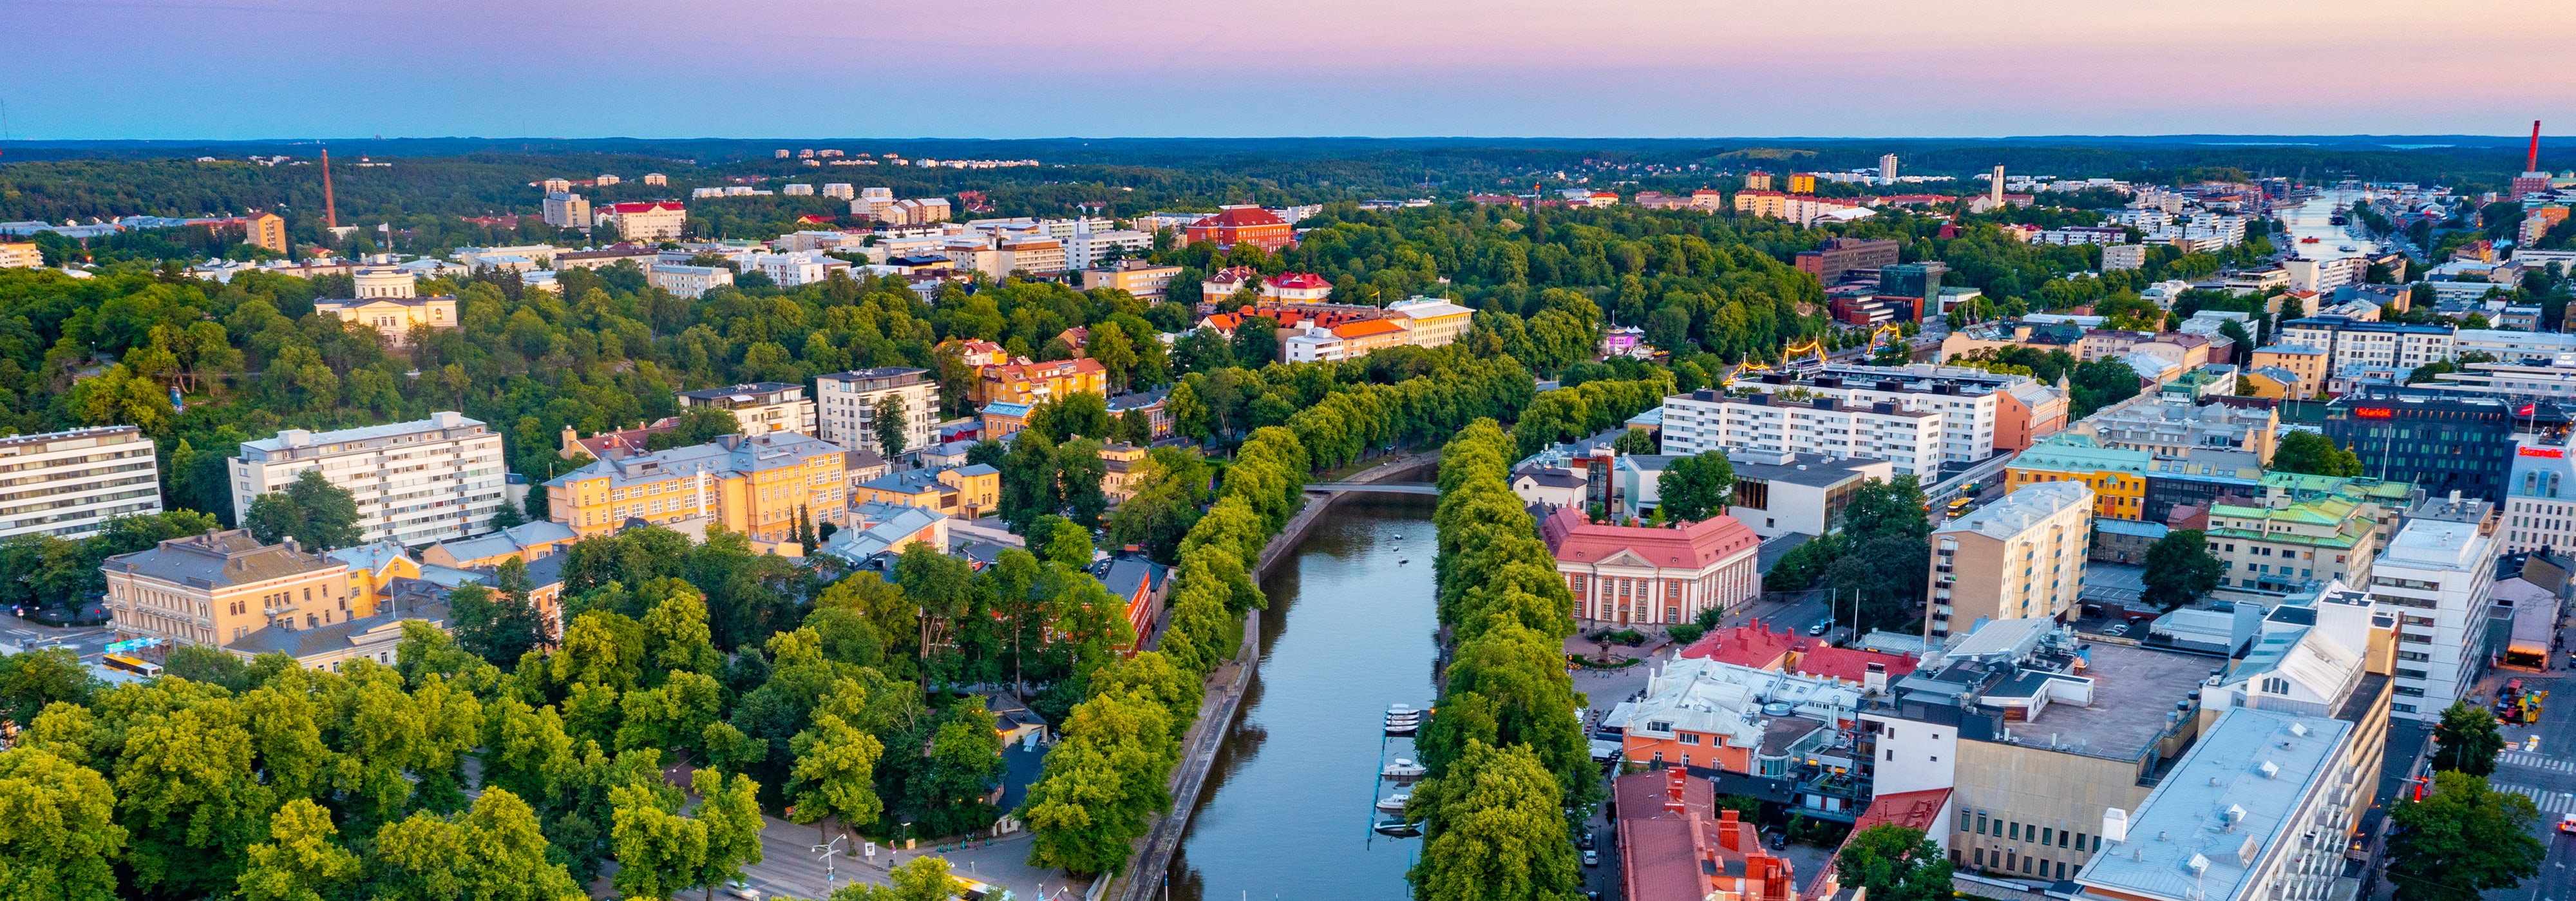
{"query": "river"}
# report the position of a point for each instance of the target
(1287, 809)
(2314, 218)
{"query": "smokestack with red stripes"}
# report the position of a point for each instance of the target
(2531, 162)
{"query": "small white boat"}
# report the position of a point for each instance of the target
(1394, 803)
(1404, 769)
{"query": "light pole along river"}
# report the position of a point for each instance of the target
(1349, 631)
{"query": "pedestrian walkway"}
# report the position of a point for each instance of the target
(2536, 762)
(2549, 801)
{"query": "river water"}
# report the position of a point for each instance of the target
(2314, 218)
(1286, 811)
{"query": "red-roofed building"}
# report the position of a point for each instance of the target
(1927, 810)
(1222, 323)
(1852, 665)
(979, 353)
(1296, 287)
(1623, 575)
(1222, 284)
(662, 221)
(1674, 844)
(1365, 336)
(1755, 646)
(1241, 225)
(613, 444)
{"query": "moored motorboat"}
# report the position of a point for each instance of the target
(1404, 769)
(1393, 803)
(1397, 828)
(1402, 719)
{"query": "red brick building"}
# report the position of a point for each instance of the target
(1670, 846)
(1241, 225)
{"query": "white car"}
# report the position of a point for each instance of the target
(2567, 823)
(737, 889)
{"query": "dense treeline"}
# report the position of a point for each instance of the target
(1506, 753)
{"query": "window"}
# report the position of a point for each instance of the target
(2044, 834)
(1981, 824)
(2013, 831)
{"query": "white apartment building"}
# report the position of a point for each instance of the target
(798, 189)
(2117, 257)
(1968, 401)
(687, 281)
(2322, 276)
(416, 482)
(2435, 577)
(847, 409)
(2371, 345)
(840, 190)
(567, 210)
(794, 268)
(21, 255)
(2547, 348)
(761, 407)
(1907, 438)
(66, 484)
(1085, 248)
(2540, 497)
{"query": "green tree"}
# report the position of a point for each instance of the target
(1896, 863)
(497, 852)
(1697, 487)
(1029, 487)
(34, 679)
(317, 514)
(2466, 740)
(1079, 474)
(2314, 454)
(922, 878)
(499, 624)
(835, 771)
(2180, 569)
(2463, 839)
(1493, 830)
(60, 839)
(302, 861)
(697, 425)
(1634, 441)
(891, 418)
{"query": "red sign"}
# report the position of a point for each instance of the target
(2372, 412)
(2550, 452)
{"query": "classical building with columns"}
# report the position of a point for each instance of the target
(1637, 575)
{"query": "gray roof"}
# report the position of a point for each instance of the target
(509, 540)
(888, 523)
(300, 643)
(2131, 527)
(1125, 575)
(1813, 470)
(2019, 510)
(363, 433)
(219, 559)
(735, 454)
(2225, 807)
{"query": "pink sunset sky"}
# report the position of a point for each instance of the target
(221, 69)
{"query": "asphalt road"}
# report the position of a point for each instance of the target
(2546, 775)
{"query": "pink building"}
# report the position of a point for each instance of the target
(1624, 575)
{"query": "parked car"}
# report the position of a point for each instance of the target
(1821, 627)
(1591, 858)
(2117, 629)
(1586, 842)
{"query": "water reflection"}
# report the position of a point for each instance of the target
(1286, 811)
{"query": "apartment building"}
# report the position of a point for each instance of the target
(2372, 345)
(1030, 383)
(687, 281)
(794, 268)
(1836, 256)
(567, 210)
(846, 407)
(2168, 424)
(1705, 420)
(21, 255)
(2439, 441)
(762, 407)
(2018, 558)
(211, 589)
(69, 484)
(1980, 412)
(2436, 576)
(2238, 818)
(2531, 348)
(759, 486)
(2309, 363)
(1632, 575)
(2118, 477)
(2540, 496)
(1234, 225)
(394, 317)
(647, 222)
(2323, 276)
(1431, 321)
(967, 491)
(415, 482)
(1803, 209)
(2282, 545)
(1086, 247)
(1147, 281)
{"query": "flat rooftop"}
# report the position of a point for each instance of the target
(2134, 689)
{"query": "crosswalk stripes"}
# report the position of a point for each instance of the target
(2549, 801)
(2535, 762)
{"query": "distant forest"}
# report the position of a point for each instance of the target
(447, 178)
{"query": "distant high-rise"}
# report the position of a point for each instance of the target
(1995, 191)
(266, 230)
(1887, 167)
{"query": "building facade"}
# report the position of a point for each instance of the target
(2540, 497)
(210, 589)
(1241, 225)
(2436, 577)
(2370, 345)
(415, 482)
(761, 407)
(394, 317)
(1628, 575)
(69, 484)
(2018, 558)
(847, 406)
(2442, 444)
(1031, 383)
(647, 222)
(1908, 439)
(2117, 477)
(759, 486)
(567, 210)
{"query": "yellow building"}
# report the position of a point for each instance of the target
(1432, 322)
(394, 317)
(966, 491)
(372, 570)
(214, 588)
(2308, 363)
(2018, 558)
(1802, 183)
(1032, 383)
(2269, 382)
(21, 255)
(2118, 477)
(756, 486)
(1126, 466)
(266, 230)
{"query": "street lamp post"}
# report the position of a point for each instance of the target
(829, 851)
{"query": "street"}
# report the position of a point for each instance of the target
(2547, 776)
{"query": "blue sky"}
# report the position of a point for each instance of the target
(240, 69)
